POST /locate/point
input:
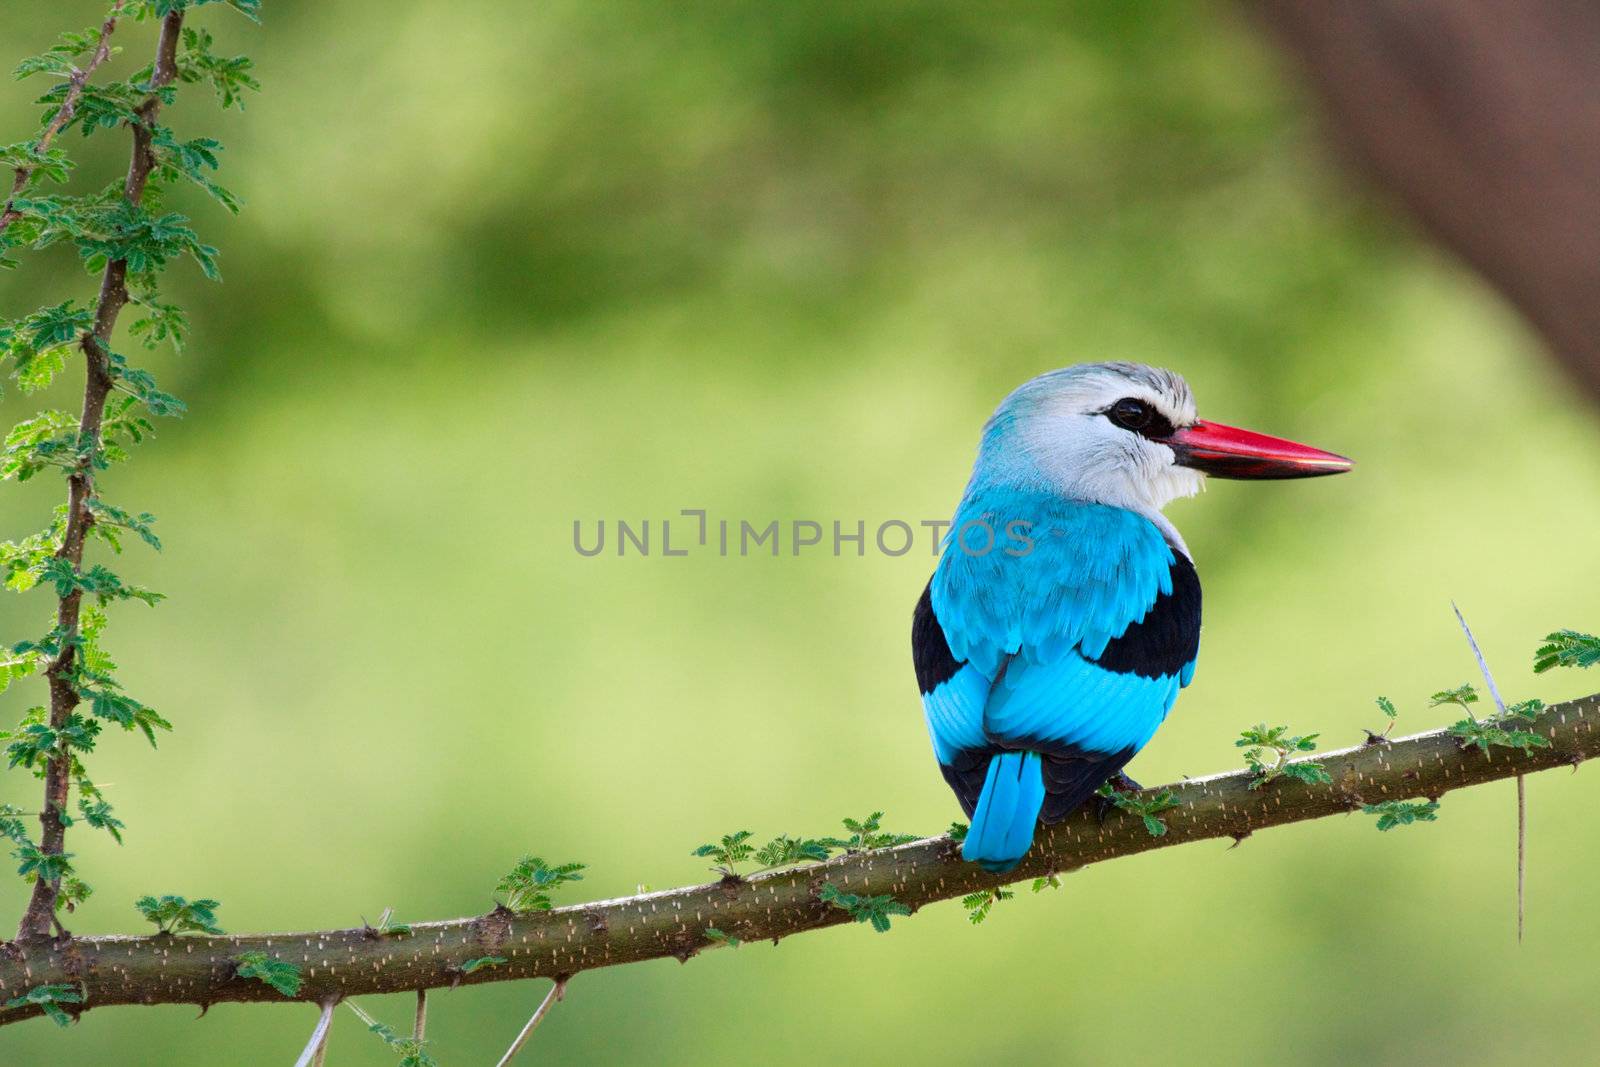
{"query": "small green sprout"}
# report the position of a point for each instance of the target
(781, 851)
(1501, 729)
(1567, 648)
(733, 849)
(957, 831)
(74, 891)
(979, 904)
(481, 962)
(1146, 807)
(1463, 696)
(867, 834)
(1049, 881)
(48, 999)
(531, 881)
(874, 910)
(175, 915)
(1386, 706)
(786, 851)
(279, 974)
(1392, 813)
(1277, 744)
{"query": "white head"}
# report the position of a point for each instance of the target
(1126, 435)
(1095, 432)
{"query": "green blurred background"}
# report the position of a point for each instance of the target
(504, 266)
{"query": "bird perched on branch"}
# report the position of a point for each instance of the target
(1064, 614)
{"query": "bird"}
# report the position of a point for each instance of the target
(1063, 615)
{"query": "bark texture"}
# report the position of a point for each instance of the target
(200, 970)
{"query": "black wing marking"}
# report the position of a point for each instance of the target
(1167, 639)
(930, 652)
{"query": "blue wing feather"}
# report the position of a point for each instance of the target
(1028, 628)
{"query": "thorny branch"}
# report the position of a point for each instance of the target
(38, 920)
(557, 944)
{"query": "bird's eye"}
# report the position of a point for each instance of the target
(1131, 414)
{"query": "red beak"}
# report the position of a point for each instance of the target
(1229, 452)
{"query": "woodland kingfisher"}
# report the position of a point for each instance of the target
(1064, 613)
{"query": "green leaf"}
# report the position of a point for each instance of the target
(51, 164)
(531, 881)
(73, 891)
(1567, 648)
(1392, 813)
(38, 865)
(1261, 741)
(1145, 805)
(49, 439)
(228, 76)
(981, 903)
(108, 515)
(48, 999)
(11, 824)
(161, 322)
(1502, 729)
(175, 915)
(1308, 771)
(279, 974)
(873, 910)
(97, 813)
(786, 851)
(1464, 696)
(733, 849)
(1387, 707)
(867, 834)
(140, 385)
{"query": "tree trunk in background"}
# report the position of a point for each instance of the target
(1483, 118)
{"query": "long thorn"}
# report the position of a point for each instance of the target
(1522, 788)
(1483, 665)
(557, 991)
(318, 1036)
(419, 1029)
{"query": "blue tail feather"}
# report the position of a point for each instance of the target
(1007, 811)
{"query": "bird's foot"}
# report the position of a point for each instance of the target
(1104, 805)
(1123, 784)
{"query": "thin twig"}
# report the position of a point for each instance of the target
(557, 992)
(419, 1029)
(1522, 787)
(63, 115)
(319, 1036)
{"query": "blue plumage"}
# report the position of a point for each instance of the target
(1026, 705)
